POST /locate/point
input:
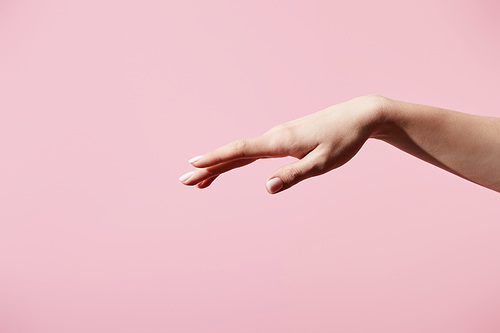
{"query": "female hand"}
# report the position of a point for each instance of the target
(321, 142)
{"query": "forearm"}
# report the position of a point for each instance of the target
(464, 144)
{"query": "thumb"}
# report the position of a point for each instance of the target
(312, 164)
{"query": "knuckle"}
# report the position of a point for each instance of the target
(282, 140)
(238, 147)
(284, 127)
(209, 172)
(321, 165)
(274, 129)
(277, 128)
(287, 133)
(274, 141)
(320, 168)
(291, 174)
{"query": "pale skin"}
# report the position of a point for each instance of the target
(465, 144)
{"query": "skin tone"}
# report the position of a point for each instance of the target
(464, 144)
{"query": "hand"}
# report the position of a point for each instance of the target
(321, 142)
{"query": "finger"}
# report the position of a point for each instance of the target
(313, 164)
(201, 174)
(258, 147)
(206, 183)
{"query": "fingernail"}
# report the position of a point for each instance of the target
(274, 185)
(186, 176)
(195, 159)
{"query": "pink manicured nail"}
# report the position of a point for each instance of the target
(186, 176)
(195, 159)
(274, 185)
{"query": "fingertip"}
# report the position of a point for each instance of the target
(202, 162)
(195, 159)
(186, 176)
(274, 185)
(202, 184)
(206, 183)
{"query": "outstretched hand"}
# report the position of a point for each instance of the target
(321, 142)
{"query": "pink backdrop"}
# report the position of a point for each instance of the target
(102, 103)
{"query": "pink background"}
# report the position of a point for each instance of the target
(102, 103)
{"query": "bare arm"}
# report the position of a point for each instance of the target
(464, 144)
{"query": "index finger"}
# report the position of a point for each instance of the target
(257, 147)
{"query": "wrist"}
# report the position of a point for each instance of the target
(378, 115)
